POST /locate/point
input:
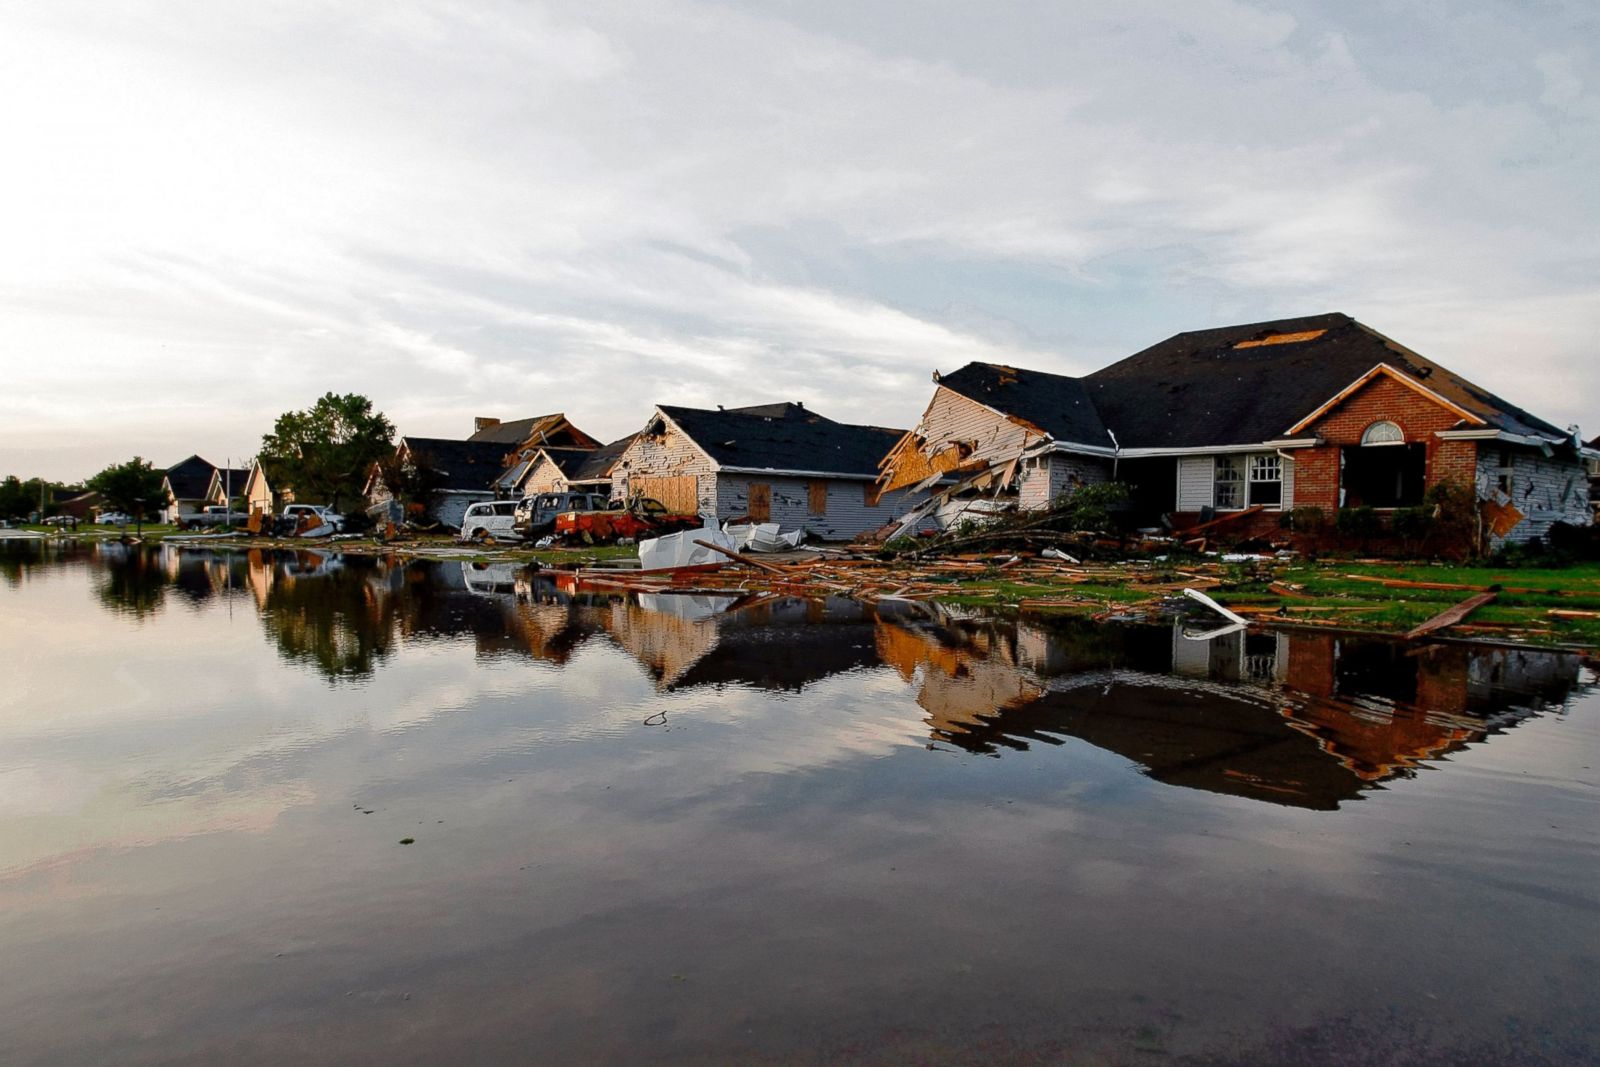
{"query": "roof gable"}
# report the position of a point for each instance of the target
(190, 479)
(1053, 404)
(462, 465)
(554, 429)
(1247, 384)
(797, 440)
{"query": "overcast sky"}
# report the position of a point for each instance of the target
(213, 212)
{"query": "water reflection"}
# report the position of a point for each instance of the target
(1303, 719)
(756, 829)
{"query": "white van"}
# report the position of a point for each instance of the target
(489, 518)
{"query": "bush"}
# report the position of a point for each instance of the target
(1092, 507)
(1414, 524)
(1304, 520)
(1362, 522)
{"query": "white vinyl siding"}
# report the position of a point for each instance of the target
(1194, 482)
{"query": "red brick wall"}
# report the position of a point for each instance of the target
(1316, 472)
(1316, 478)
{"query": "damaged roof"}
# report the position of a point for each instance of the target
(1054, 403)
(797, 440)
(464, 465)
(1245, 384)
(519, 430)
(191, 478)
(598, 463)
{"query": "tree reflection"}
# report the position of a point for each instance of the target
(133, 579)
(338, 615)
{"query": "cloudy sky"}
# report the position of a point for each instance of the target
(213, 212)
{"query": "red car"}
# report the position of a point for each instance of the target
(643, 517)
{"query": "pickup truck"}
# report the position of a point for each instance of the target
(213, 515)
(643, 517)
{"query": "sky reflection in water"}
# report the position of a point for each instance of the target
(688, 829)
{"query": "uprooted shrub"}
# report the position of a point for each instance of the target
(1092, 508)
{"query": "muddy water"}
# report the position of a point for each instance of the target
(692, 830)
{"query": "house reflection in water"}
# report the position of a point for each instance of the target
(1307, 719)
(1303, 718)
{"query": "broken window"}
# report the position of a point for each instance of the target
(1228, 491)
(1390, 477)
(1266, 480)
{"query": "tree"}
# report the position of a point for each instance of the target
(412, 481)
(15, 500)
(325, 452)
(133, 487)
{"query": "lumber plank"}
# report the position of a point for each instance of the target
(1451, 615)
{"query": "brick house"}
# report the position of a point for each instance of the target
(1320, 412)
(771, 462)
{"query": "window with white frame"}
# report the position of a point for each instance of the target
(1228, 483)
(1383, 433)
(1242, 481)
(1266, 480)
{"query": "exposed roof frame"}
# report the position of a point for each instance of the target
(1404, 379)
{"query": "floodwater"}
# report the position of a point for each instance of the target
(697, 830)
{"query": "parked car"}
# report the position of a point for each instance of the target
(489, 519)
(293, 513)
(643, 517)
(213, 515)
(536, 514)
(68, 521)
(114, 518)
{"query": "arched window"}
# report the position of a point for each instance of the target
(1383, 433)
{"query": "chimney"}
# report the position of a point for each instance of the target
(801, 404)
(483, 422)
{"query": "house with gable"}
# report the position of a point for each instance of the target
(186, 488)
(770, 462)
(563, 470)
(459, 474)
(227, 484)
(1320, 412)
(484, 466)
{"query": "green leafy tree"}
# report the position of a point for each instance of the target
(325, 452)
(133, 487)
(15, 500)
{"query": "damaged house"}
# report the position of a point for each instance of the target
(452, 475)
(1244, 422)
(563, 470)
(773, 463)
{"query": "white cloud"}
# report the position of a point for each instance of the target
(218, 211)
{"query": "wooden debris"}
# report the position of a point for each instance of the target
(1450, 616)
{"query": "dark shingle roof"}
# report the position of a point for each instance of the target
(567, 460)
(510, 433)
(797, 441)
(232, 479)
(1198, 388)
(598, 464)
(1055, 403)
(465, 465)
(191, 478)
